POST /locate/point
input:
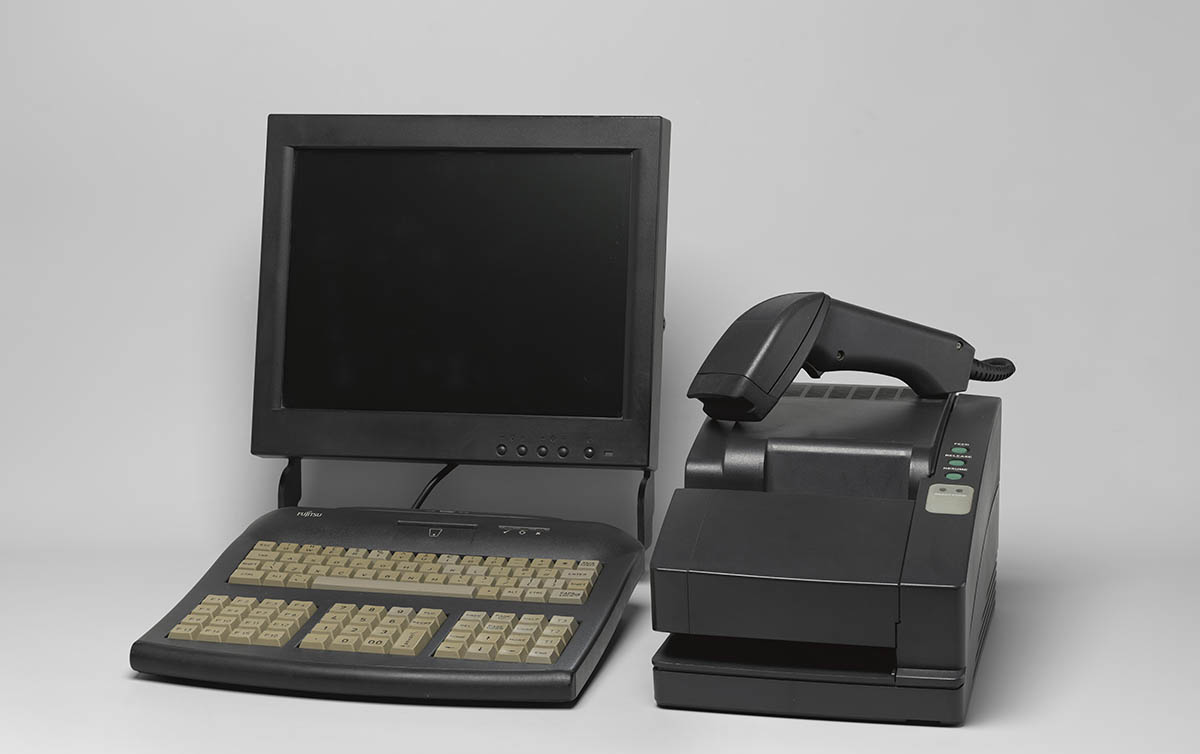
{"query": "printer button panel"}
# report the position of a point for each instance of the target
(950, 499)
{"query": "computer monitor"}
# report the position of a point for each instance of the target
(482, 289)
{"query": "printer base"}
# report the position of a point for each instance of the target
(796, 698)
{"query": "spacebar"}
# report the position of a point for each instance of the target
(392, 587)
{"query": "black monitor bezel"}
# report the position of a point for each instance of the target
(629, 441)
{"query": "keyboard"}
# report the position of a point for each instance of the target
(402, 604)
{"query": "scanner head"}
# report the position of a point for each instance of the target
(760, 354)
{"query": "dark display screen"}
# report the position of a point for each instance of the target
(461, 281)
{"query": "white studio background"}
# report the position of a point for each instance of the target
(1025, 174)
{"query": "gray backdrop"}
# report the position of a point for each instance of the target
(1022, 173)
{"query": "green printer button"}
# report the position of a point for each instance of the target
(958, 450)
(957, 462)
(954, 476)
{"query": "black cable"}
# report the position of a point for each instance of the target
(992, 370)
(433, 482)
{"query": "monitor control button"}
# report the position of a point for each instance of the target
(522, 450)
(562, 452)
(501, 449)
(542, 451)
(589, 452)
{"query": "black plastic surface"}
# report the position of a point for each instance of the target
(424, 677)
(627, 441)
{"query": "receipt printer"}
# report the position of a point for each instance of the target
(833, 551)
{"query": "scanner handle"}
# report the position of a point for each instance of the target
(759, 356)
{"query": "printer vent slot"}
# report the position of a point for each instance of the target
(817, 391)
(862, 393)
(853, 392)
(840, 391)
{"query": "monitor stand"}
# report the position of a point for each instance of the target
(291, 488)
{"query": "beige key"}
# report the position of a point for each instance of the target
(387, 632)
(318, 570)
(337, 561)
(332, 551)
(325, 627)
(553, 642)
(357, 563)
(397, 622)
(506, 618)
(344, 642)
(308, 607)
(512, 593)
(494, 561)
(536, 595)
(429, 568)
(401, 556)
(529, 583)
(575, 574)
(525, 629)
(344, 607)
(265, 567)
(382, 566)
(482, 581)
(245, 576)
(434, 578)
(379, 554)
(356, 552)
(208, 610)
(564, 563)
(298, 615)
(477, 570)
(286, 547)
(542, 656)
(315, 640)
(505, 582)
(510, 653)
(547, 573)
(450, 650)
(487, 592)
(460, 635)
(356, 628)
(480, 651)
(557, 630)
(299, 580)
(454, 569)
(291, 557)
(255, 623)
(425, 557)
(412, 577)
(580, 585)
(523, 573)
(368, 619)
(499, 571)
(187, 631)
(242, 635)
(427, 625)
(400, 612)
(471, 560)
(278, 578)
(341, 572)
(394, 587)
(438, 615)
(460, 579)
(518, 563)
(407, 566)
(285, 625)
(257, 555)
(409, 643)
(237, 611)
(447, 559)
(377, 645)
(314, 560)
(590, 565)
(264, 544)
(566, 621)
(537, 619)
(495, 627)
(477, 615)
(489, 637)
(541, 563)
(229, 621)
(552, 584)
(386, 576)
(376, 610)
(213, 633)
(518, 640)
(309, 549)
(336, 619)
(364, 574)
(567, 597)
(220, 600)
(194, 619)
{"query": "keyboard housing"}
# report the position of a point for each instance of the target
(290, 668)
